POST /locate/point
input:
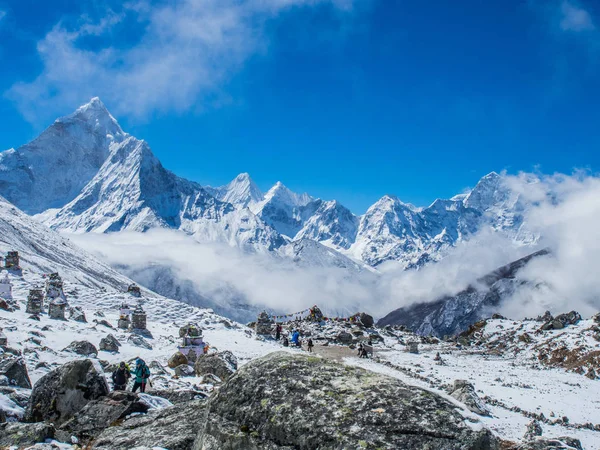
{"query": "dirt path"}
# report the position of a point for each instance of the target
(334, 352)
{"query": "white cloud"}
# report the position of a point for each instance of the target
(186, 52)
(575, 18)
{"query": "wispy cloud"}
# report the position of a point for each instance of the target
(185, 53)
(575, 18)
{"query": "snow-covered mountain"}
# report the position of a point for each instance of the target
(51, 170)
(241, 192)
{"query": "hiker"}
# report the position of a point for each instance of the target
(278, 332)
(142, 374)
(310, 345)
(120, 377)
(286, 342)
(295, 338)
(360, 349)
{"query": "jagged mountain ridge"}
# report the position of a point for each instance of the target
(122, 186)
(453, 314)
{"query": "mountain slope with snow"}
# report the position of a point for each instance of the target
(52, 169)
(45, 251)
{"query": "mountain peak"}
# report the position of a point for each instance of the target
(98, 117)
(280, 192)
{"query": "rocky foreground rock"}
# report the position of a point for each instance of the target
(64, 391)
(303, 402)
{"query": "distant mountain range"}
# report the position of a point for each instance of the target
(85, 174)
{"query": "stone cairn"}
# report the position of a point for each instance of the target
(35, 301)
(11, 261)
(57, 308)
(315, 314)
(138, 318)
(413, 347)
(124, 320)
(134, 290)
(54, 288)
(264, 324)
(5, 288)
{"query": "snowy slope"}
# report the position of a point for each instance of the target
(44, 251)
(52, 169)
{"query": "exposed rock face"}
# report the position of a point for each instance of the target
(15, 370)
(61, 393)
(464, 392)
(344, 338)
(221, 364)
(21, 435)
(174, 428)
(451, 315)
(84, 348)
(177, 359)
(109, 344)
(99, 414)
(301, 402)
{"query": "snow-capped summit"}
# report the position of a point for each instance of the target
(241, 192)
(331, 223)
(280, 193)
(281, 209)
(96, 115)
(52, 169)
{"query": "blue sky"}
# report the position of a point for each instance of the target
(345, 99)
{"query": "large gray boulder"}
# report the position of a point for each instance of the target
(15, 370)
(221, 364)
(174, 428)
(83, 348)
(366, 320)
(99, 414)
(61, 393)
(109, 344)
(21, 435)
(285, 401)
(464, 392)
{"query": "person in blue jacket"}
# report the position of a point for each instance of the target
(296, 338)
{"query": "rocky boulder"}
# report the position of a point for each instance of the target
(99, 414)
(109, 344)
(366, 320)
(344, 338)
(77, 314)
(84, 348)
(303, 402)
(221, 364)
(177, 359)
(561, 321)
(184, 371)
(15, 370)
(61, 393)
(534, 429)
(139, 341)
(464, 392)
(21, 435)
(174, 428)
